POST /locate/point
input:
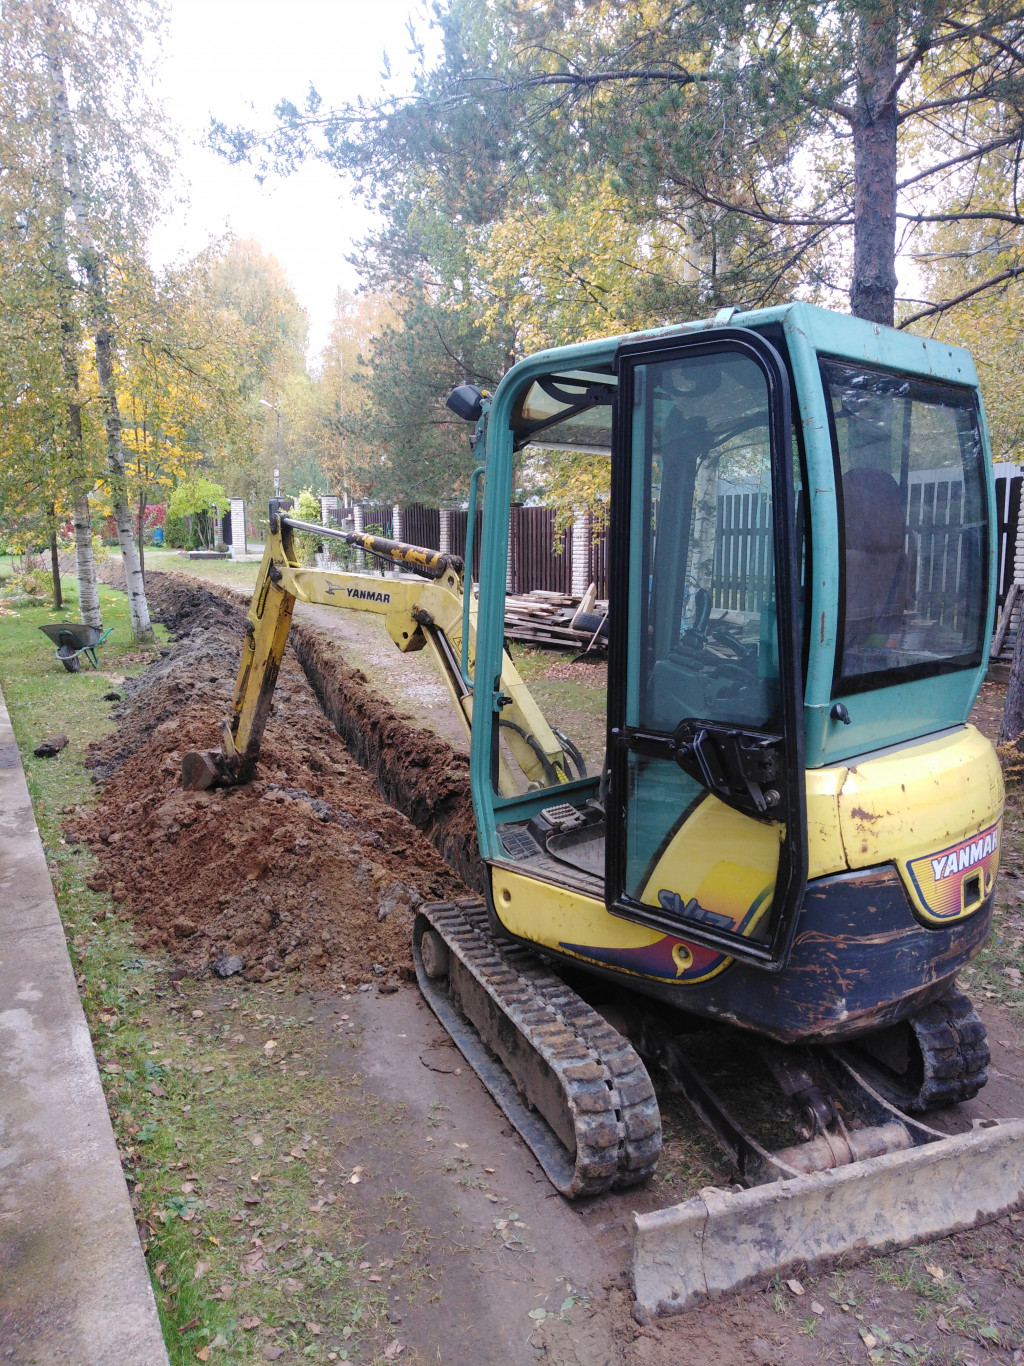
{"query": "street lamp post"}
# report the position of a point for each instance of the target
(276, 409)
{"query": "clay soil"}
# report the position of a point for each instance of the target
(307, 869)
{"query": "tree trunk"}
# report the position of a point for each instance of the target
(85, 563)
(91, 264)
(875, 126)
(58, 597)
(117, 480)
(1013, 708)
(142, 547)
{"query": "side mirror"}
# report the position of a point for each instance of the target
(467, 402)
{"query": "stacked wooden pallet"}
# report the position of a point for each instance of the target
(544, 618)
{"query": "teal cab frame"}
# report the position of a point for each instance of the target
(831, 720)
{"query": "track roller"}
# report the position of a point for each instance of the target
(936, 1058)
(571, 1085)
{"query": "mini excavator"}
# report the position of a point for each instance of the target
(793, 834)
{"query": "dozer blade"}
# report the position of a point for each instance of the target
(721, 1241)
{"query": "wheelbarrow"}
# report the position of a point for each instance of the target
(73, 640)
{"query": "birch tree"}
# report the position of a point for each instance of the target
(85, 133)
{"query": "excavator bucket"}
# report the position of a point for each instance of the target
(720, 1241)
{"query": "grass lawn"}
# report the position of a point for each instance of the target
(235, 575)
(222, 1095)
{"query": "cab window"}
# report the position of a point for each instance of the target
(913, 531)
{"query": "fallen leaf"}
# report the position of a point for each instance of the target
(393, 1349)
(538, 1313)
(203, 1354)
(272, 1353)
(796, 1287)
(314, 1328)
(936, 1272)
(269, 1047)
(112, 1067)
(462, 1145)
(219, 1341)
(293, 1287)
(817, 1308)
(187, 1187)
(869, 1339)
(157, 1091)
(374, 1278)
(249, 1321)
(489, 1171)
(200, 1271)
(256, 1140)
(942, 1325)
(253, 1262)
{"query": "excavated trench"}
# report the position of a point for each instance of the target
(316, 866)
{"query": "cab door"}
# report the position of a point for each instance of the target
(706, 807)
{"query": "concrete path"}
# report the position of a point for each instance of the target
(74, 1289)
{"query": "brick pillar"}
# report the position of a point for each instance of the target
(446, 531)
(397, 529)
(579, 548)
(238, 542)
(358, 521)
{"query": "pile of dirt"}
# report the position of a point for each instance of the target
(306, 868)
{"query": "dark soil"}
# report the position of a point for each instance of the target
(307, 868)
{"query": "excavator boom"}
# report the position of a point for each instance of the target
(426, 607)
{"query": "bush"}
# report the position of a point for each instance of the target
(178, 535)
(307, 509)
(32, 583)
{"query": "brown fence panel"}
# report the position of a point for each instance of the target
(541, 559)
(421, 526)
(459, 522)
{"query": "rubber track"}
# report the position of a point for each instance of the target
(608, 1093)
(955, 1052)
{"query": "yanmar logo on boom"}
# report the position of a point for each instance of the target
(365, 594)
(956, 880)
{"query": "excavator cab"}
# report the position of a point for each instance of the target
(800, 596)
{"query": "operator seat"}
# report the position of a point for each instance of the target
(878, 577)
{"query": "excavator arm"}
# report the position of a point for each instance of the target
(424, 609)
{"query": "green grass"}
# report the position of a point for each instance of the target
(228, 572)
(576, 705)
(228, 1148)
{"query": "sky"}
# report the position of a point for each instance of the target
(235, 59)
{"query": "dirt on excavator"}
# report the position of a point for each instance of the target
(307, 869)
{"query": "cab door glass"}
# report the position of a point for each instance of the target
(706, 625)
(707, 776)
